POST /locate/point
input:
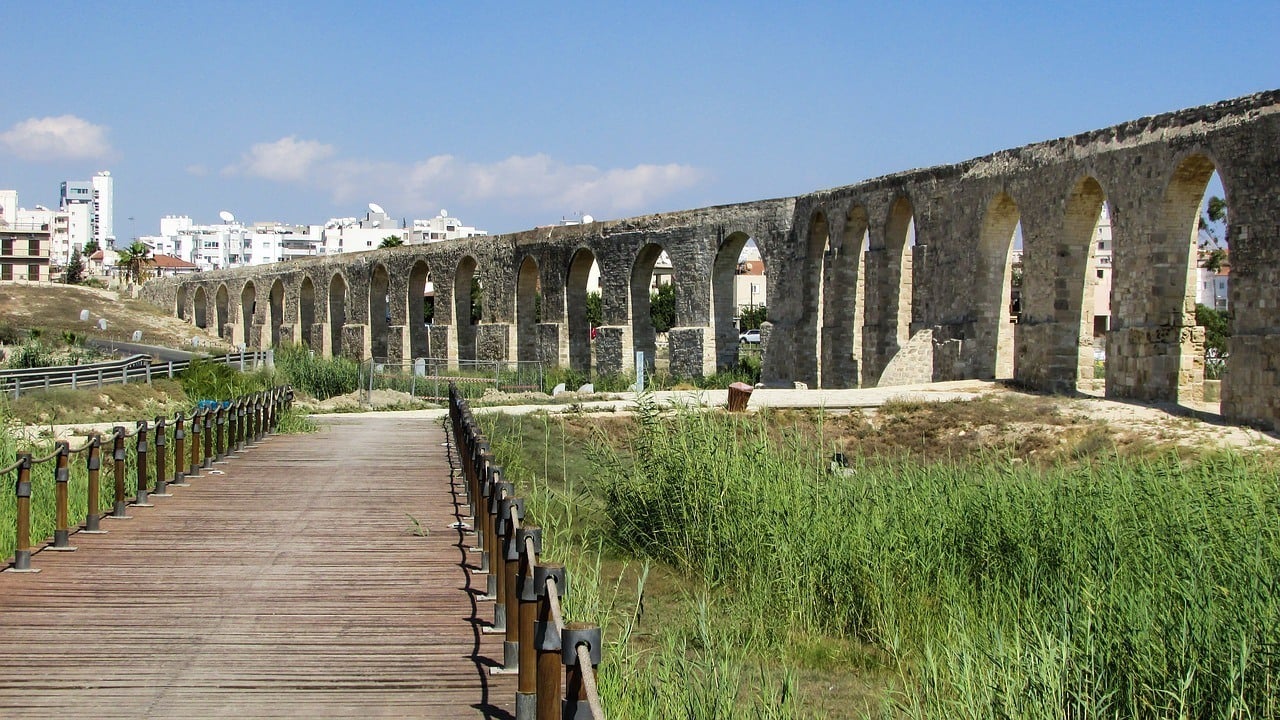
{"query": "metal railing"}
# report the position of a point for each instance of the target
(429, 378)
(225, 427)
(130, 369)
(538, 644)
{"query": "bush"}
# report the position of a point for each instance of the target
(321, 378)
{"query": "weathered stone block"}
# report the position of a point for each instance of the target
(355, 341)
(494, 342)
(551, 350)
(438, 341)
(687, 347)
(613, 350)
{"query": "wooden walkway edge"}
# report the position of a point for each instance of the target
(292, 585)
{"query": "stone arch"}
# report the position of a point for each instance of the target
(575, 297)
(276, 307)
(724, 273)
(643, 336)
(1078, 289)
(890, 295)
(808, 334)
(182, 302)
(418, 319)
(992, 295)
(841, 306)
(337, 312)
(248, 311)
(379, 310)
(900, 236)
(464, 307)
(307, 309)
(528, 312)
(1173, 262)
(222, 305)
(200, 308)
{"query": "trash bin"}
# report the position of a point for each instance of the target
(739, 395)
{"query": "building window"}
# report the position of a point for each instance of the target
(1102, 274)
(1102, 245)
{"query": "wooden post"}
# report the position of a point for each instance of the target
(143, 480)
(162, 470)
(575, 688)
(93, 464)
(22, 547)
(547, 639)
(117, 454)
(527, 683)
(179, 450)
(61, 473)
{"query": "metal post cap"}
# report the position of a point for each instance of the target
(575, 635)
(541, 573)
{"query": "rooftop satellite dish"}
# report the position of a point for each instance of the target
(587, 219)
(226, 216)
(444, 213)
(376, 209)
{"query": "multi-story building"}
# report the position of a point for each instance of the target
(24, 251)
(90, 211)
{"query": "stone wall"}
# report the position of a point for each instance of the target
(858, 276)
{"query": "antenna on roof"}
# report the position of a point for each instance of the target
(376, 209)
(226, 216)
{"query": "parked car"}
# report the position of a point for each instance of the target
(750, 336)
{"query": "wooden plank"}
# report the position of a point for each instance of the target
(293, 585)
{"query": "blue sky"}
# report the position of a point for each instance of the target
(514, 115)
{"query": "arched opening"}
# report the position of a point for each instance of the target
(466, 306)
(1213, 280)
(528, 309)
(248, 312)
(307, 309)
(809, 337)
(581, 295)
(902, 243)
(201, 309)
(421, 309)
(996, 312)
(650, 315)
(737, 298)
(843, 296)
(889, 295)
(182, 302)
(1082, 287)
(379, 311)
(337, 312)
(275, 306)
(1181, 238)
(222, 305)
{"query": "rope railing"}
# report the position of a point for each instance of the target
(259, 414)
(555, 661)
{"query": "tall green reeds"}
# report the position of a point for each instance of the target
(1134, 588)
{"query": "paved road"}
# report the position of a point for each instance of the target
(162, 354)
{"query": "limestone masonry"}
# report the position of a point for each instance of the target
(854, 302)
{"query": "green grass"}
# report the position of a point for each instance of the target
(981, 586)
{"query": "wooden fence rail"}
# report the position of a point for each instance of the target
(538, 645)
(246, 419)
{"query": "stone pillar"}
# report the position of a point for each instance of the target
(495, 341)
(398, 348)
(690, 354)
(1152, 363)
(438, 343)
(614, 354)
(320, 340)
(230, 331)
(288, 333)
(355, 341)
(256, 337)
(552, 350)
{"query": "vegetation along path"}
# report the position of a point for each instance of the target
(313, 576)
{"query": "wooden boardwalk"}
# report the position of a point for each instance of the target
(293, 585)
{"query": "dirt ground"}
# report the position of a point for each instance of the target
(55, 308)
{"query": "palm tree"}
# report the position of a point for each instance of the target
(391, 241)
(133, 259)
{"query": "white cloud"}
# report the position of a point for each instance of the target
(285, 160)
(535, 182)
(198, 170)
(65, 137)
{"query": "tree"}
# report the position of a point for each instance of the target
(133, 259)
(1213, 218)
(751, 318)
(595, 309)
(90, 248)
(1217, 330)
(477, 300)
(662, 307)
(391, 241)
(74, 274)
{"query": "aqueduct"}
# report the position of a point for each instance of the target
(902, 278)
